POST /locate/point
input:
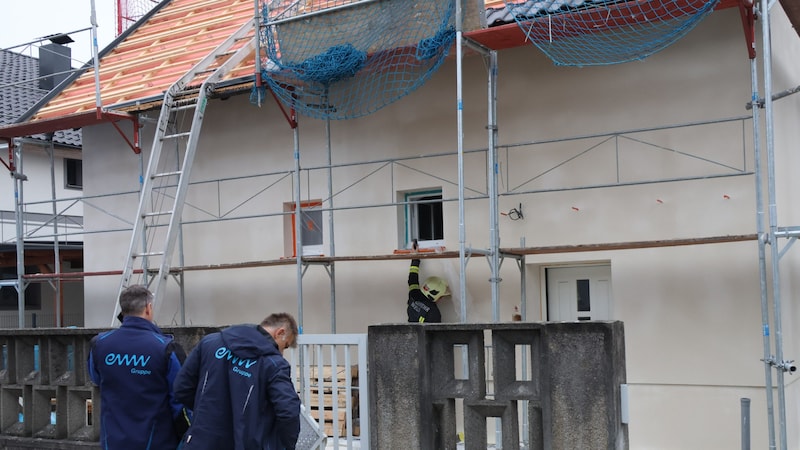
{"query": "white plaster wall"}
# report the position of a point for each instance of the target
(36, 193)
(692, 318)
(36, 166)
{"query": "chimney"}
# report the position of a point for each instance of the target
(53, 59)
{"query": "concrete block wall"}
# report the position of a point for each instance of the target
(571, 389)
(39, 365)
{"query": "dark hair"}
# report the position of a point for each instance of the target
(282, 320)
(134, 299)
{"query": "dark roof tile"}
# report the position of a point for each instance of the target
(19, 92)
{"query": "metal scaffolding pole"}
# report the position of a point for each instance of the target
(332, 246)
(762, 262)
(493, 169)
(777, 362)
(96, 61)
(298, 226)
(56, 252)
(179, 278)
(462, 245)
(19, 215)
(492, 172)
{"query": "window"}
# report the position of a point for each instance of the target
(311, 229)
(73, 173)
(423, 218)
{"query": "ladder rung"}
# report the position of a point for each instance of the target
(186, 93)
(220, 55)
(166, 174)
(157, 213)
(176, 135)
(135, 255)
(184, 107)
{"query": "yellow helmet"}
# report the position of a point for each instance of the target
(434, 288)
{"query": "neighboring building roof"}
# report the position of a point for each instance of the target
(19, 91)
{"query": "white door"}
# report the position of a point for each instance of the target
(579, 293)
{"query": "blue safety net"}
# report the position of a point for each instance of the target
(341, 59)
(600, 32)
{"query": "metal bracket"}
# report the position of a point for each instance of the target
(784, 365)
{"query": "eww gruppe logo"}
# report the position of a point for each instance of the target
(125, 359)
(225, 353)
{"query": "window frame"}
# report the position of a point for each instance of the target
(290, 235)
(412, 217)
(78, 163)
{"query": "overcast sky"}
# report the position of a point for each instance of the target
(22, 21)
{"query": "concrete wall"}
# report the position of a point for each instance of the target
(572, 395)
(691, 313)
(44, 371)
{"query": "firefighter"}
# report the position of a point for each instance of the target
(422, 300)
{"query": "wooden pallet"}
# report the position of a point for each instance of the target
(327, 372)
(323, 391)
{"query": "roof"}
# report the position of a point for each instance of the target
(140, 65)
(498, 14)
(19, 91)
(136, 70)
(503, 32)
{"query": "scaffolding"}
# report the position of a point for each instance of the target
(768, 231)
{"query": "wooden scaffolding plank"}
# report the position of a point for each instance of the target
(517, 251)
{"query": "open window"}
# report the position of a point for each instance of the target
(422, 218)
(311, 228)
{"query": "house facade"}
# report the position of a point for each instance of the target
(626, 192)
(45, 167)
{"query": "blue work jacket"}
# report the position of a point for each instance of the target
(135, 366)
(240, 389)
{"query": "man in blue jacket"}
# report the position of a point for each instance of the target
(135, 366)
(240, 388)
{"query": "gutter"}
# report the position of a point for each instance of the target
(223, 89)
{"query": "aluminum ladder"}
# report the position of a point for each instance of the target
(164, 189)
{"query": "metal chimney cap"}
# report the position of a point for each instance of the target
(59, 38)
